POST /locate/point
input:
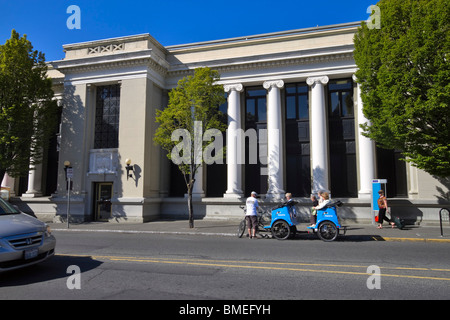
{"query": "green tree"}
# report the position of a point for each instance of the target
(193, 116)
(404, 74)
(28, 112)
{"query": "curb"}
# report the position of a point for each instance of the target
(149, 232)
(224, 234)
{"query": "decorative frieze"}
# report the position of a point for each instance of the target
(106, 48)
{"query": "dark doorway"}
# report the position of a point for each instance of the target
(102, 201)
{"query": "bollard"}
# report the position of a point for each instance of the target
(440, 219)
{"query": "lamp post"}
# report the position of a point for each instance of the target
(69, 175)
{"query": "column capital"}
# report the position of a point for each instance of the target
(273, 83)
(233, 87)
(313, 80)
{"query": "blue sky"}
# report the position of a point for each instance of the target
(171, 22)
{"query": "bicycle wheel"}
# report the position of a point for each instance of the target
(241, 229)
(281, 230)
(327, 231)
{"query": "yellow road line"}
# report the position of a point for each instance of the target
(254, 265)
(381, 238)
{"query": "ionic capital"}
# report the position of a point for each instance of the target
(313, 80)
(233, 87)
(273, 83)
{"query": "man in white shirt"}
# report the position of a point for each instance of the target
(251, 215)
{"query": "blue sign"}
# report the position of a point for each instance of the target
(377, 185)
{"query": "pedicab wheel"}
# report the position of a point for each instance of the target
(327, 231)
(241, 229)
(280, 230)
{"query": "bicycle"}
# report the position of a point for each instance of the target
(261, 218)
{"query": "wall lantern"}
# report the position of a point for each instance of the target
(129, 168)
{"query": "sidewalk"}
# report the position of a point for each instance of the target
(210, 227)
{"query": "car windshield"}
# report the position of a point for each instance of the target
(6, 208)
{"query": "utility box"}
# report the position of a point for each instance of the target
(5, 193)
(377, 185)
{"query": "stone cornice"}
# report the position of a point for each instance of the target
(239, 65)
(145, 58)
(115, 41)
(265, 38)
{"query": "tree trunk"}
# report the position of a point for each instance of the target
(190, 205)
(2, 174)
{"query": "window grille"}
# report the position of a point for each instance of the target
(107, 117)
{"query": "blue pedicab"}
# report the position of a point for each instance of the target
(327, 225)
(284, 221)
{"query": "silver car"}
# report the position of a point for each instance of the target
(24, 240)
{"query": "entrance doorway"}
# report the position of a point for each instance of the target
(102, 201)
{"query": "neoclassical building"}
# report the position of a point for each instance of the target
(300, 84)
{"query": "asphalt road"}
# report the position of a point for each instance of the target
(192, 267)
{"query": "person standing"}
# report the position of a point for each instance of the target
(251, 215)
(382, 206)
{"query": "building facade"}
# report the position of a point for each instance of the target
(293, 95)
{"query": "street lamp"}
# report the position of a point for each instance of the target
(69, 175)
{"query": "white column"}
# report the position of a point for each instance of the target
(235, 142)
(413, 192)
(319, 141)
(275, 164)
(10, 183)
(34, 182)
(366, 152)
(197, 191)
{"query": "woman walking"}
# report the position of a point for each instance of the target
(382, 205)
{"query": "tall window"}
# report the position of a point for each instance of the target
(391, 167)
(298, 167)
(216, 175)
(255, 118)
(107, 117)
(342, 138)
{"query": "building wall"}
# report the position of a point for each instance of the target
(146, 71)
